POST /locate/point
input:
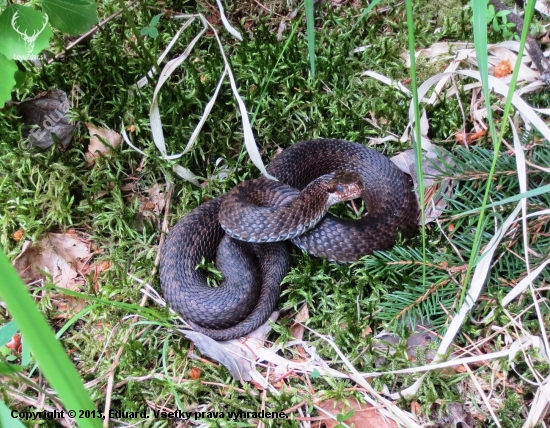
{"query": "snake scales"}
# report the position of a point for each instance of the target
(253, 272)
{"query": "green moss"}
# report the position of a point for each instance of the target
(54, 189)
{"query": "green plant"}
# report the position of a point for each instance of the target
(151, 29)
(25, 32)
(50, 355)
(500, 23)
(343, 417)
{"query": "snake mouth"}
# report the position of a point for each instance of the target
(352, 209)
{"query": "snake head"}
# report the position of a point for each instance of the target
(344, 186)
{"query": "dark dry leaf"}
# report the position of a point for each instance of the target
(418, 344)
(46, 115)
(225, 353)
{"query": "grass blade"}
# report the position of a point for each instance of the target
(310, 19)
(417, 140)
(51, 357)
(5, 417)
(480, 38)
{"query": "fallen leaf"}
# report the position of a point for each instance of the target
(65, 256)
(150, 207)
(418, 344)
(363, 415)
(416, 409)
(95, 269)
(432, 165)
(66, 306)
(102, 140)
(60, 254)
(224, 353)
(453, 415)
(237, 355)
(366, 332)
(297, 329)
(46, 115)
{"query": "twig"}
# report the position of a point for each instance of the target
(116, 360)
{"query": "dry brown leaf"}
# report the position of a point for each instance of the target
(297, 329)
(97, 146)
(416, 409)
(45, 116)
(129, 187)
(95, 269)
(60, 254)
(364, 416)
(65, 257)
(150, 207)
(153, 205)
(366, 332)
(157, 196)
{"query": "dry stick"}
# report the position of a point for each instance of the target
(482, 394)
(533, 48)
(270, 11)
(110, 381)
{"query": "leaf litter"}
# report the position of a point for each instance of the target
(102, 141)
(66, 257)
(501, 56)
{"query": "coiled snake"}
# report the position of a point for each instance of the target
(253, 272)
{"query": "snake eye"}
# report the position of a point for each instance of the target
(339, 188)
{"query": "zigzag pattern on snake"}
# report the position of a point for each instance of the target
(253, 272)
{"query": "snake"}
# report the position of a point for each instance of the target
(246, 231)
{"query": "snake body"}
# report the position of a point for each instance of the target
(250, 290)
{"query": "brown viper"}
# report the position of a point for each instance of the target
(253, 272)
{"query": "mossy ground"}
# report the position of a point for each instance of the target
(54, 190)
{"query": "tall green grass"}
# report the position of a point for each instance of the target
(480, 40)
(50, 355)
